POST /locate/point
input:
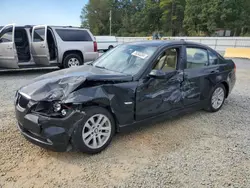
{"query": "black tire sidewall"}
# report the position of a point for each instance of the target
(77, 141)
(211, 108)
(110, 47)
(68, 57)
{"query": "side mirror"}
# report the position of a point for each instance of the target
(157, 74)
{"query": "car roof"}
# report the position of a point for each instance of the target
(162, 43)
(52, 26)
(66, 27)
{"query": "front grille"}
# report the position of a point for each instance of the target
(22, 101)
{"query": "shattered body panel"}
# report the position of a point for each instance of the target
(129, 98)
(155, 96)
(113, 96)
(47, 132)
(59, 84)
(77, 87)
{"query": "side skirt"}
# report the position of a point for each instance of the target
(163, 116)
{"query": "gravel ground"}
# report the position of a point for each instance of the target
(197, 150)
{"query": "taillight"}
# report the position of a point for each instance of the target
(95, 46)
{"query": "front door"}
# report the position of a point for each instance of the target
(156, 95)
(8, 54)
(39, 45)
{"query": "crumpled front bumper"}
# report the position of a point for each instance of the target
(46, 132)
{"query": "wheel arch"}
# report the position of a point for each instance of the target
(78, 52)
(226, 85)
(104, 103)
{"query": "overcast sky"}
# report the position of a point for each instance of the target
(34, 12)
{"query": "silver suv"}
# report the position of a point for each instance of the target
(43, 45)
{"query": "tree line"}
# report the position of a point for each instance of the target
(167, 17)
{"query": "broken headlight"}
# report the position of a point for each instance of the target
(52, 109)
(63, 109)
(57, 107)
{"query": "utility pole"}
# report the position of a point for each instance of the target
(172, 14)
(110, 22)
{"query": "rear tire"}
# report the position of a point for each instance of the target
(110, 47)
(72, 60)
(95, 131)
(216, 99)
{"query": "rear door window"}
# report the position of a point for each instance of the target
(196, 57)
(39, 35)
(73, 35)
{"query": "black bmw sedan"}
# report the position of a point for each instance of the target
(83, 107)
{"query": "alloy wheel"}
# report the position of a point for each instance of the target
(218, 98)
(96, 131)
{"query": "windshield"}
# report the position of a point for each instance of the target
(128, 59)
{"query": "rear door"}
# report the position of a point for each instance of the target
(8, 54)
(196, 75)
(39, 45)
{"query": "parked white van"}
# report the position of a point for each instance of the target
(42, 45)
(105, 43)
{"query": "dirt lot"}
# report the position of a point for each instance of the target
(197, 150)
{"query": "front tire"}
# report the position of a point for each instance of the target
(95, 131)
(217, 98)
(72, 60)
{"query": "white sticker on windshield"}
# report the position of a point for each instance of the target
(140, 55)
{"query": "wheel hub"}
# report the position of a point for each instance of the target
(96, 130)
(73, 62)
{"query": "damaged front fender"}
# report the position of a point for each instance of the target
(119, 98)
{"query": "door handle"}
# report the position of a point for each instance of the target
(9, 48)
(42, 46)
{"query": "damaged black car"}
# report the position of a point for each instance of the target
(83, 107)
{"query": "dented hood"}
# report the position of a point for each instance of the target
(59, 84)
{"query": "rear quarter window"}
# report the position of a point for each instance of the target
(215, 59)
(73, 35)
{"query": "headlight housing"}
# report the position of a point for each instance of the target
(61, 109)
(57, 107)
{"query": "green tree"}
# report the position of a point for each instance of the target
(235, 15)
(143, 17)
(172, 15)
(95, 15)
(207, 16)
(202, 16)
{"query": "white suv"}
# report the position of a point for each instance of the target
(43, 45)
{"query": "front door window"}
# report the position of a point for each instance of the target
(167, 61)
(6, 35)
